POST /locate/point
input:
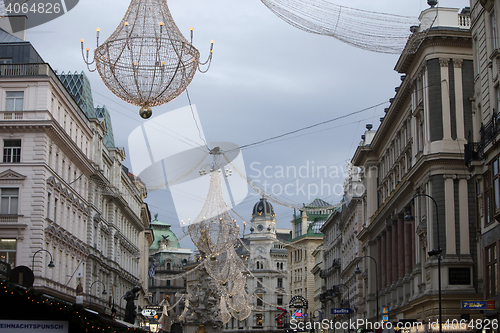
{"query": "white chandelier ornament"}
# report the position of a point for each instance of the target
(214, 231)
(146, 61)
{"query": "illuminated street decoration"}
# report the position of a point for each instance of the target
(146, 61)
(372, 31)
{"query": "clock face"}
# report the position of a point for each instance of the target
(260, 227)
(259, 250)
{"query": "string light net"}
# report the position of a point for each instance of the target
(372, 31)
(225, 269)
(224, 314)
(147, 61)
(238, 305)
(214, 231)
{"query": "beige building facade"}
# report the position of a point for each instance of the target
(65, 196)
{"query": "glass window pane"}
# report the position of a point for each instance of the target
(4, 210)
(13, 205)
(9, 105)
(495, 168)
(15, 94)
(10, 191)
(497, 194)
(19, 104)
(7, 244)
(7, 155)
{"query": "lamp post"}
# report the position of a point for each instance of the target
(51, 263)
(348, 300)
(90, 289)
(436, 252)
(358, 271)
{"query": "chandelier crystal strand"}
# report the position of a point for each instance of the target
(214, 231)
(146, 61)
(372, 31)
(224, 314)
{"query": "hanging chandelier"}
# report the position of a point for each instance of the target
(146, 61)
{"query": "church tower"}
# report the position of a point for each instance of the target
(267, 261)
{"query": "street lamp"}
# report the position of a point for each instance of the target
(348, 300)
(90, 289)
(51, 263)
(358, 271)
(435, 252)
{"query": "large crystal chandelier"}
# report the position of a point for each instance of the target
(146, 61)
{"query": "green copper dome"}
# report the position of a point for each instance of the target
(164, 237)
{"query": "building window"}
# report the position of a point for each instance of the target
(14, 101)
(8, 251)
(488, 203)
(258, 319)
(55, 209)
(494, 30)
(491, 270)
(11, 151)
(9, 201)
(280, 282)
(5, 61)
(298, 229)
(168, 283)
(279, 300)
(259, 299)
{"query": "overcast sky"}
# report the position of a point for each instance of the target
(266, 78)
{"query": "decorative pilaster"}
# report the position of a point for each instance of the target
(459, 98)
(401, 249)
(464, 216)
(389, 256)
(395, 251)
(449, 197)
(445, 102)
(383, 263)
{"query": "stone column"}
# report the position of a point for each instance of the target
(408, 247)
(379, 261)
(401, 247)
(389, 256)
(384, 260)
(395, 251)
(464, 216)
(449, 197)
(459, 98)
(445, 93)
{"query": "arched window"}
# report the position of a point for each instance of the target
(277, 265)
(258, 265)
(281, 265)
(168, 266)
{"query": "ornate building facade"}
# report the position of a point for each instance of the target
(304, 239)
(481, 151)
(417, 186)
(266, 260)
(167, 260)
(342, 252)
(65, 196)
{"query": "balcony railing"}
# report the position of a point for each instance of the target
(464, 21)
(24, 69)
(8, 218)
(474, 151)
